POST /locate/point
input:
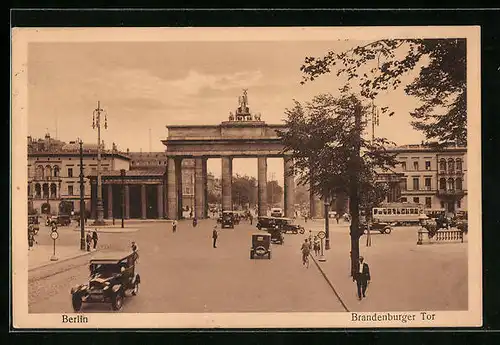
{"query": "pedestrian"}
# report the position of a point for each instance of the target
(362, 277)
(195, 222)
(316, 245)
(215, 235)
(337, 217)
(88, 239)
(95, 238)
(251, 218)
(305, 218)
(191, 214)
(135, 250)
(174, 226)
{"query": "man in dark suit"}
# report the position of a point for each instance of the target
(362, 277)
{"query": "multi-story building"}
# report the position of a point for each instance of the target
(54, 171)
(433, 176)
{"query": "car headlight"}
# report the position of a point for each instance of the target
(106, 287)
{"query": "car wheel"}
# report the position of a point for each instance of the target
(302, 230)
(135, 290)
(387, 230)
(76, 302)
(117, 301)
(269, 256)
(259, 227)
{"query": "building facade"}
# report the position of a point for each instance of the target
(54, 172)
(433, 176)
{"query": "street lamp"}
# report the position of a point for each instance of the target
(122, 174)
(327, 224)
(96, 122)
(82, 200)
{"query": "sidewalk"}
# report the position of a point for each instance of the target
(107, 229)
(39, 256)
(404, 276)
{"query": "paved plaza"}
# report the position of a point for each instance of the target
(181, 272)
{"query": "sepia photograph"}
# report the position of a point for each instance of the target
(262, 177)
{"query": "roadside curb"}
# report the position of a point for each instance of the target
(58, 261)
(329, 283)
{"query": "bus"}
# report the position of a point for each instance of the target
(398, 213)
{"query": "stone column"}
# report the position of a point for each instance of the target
(143, 202)
(262, 185)
(159, 198)
(289, 196)
(198, 188)
(205, 187)
(171, 189)
(178, 182)
(227, 177)
(110, 201)
(127, 201)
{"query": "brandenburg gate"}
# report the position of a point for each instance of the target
(244, 135)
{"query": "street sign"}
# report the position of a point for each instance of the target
(321, 234)
(54, 235)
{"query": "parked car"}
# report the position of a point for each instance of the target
(261, 245)
(383, 228)
(60, 220)
(112, 274)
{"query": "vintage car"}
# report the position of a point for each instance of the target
(227, 219)
(276, 236)
(62, 220)
(284, 224)
(276, 212)
(112, 274)
(261, 245)
(382, 227)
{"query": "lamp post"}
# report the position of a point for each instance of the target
(96, 122)
(122, 174)
(82, 200)
(327, 224)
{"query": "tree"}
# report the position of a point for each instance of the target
(324, 138)
(243, 190)
(301, 195)
(274, 192)
(440, 84)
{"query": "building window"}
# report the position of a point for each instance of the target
(416, 199)
(451, 184)
(403, 199)
(56, 171)
(427, 165)
(428, 202)
(48, 171)
(70, 190)
(442, 183)
(415, 184)
(458, 164)
(459, 204)
(415, 165)
(70, 172)
(442, 164)
(38, 190)
(451, 165)
(458, 184)
(427, 183)
(404, 184)
(403, 166)
(39, 172)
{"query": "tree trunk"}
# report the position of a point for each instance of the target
(354, 189)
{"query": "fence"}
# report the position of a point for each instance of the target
(441, 235)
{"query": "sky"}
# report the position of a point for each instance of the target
(145, 86)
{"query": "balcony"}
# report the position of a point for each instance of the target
(47, 179)
(455, 173)
(451, 192)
